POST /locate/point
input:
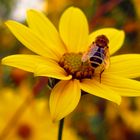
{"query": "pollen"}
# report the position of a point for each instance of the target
(73, 65)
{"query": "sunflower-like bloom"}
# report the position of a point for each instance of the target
(59, 57)
(33, 123)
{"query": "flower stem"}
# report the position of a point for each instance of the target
(61, 124)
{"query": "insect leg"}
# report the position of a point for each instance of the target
(101, 74)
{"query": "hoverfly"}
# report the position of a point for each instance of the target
(98, 54)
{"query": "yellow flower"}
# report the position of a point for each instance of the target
(129, 111)
(34, 123)
(136, 4)
(53, 48)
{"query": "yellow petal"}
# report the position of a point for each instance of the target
(39, 23)
(123, 86)
(116, 38)
(127, 65)
(98, 89)
(31, 40)
(53, 70)
(64, 98)
(26, 62)
(73, 29)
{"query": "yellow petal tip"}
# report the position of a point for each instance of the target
(56, 116)
(30, 11)
(55, 119)
(123, 33)
(8, 22)
(3, 61)
(119, 102)
(71, 8)
(11, 23)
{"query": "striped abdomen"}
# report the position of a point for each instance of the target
(97, 58)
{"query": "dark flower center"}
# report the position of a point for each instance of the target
(73, 65)
(24, 131)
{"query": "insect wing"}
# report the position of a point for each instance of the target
(93, 49)
(106, 58)
(84, 57)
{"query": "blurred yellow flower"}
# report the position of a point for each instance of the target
(128, 111)
(73, 38)
(54, 6)
(35, 122)
(137, 4)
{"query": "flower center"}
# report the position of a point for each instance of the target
(24, 131)
(73, 65)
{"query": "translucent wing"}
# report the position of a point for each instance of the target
(106, 58)
(91, 51)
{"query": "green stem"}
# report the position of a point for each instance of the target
(61, 124)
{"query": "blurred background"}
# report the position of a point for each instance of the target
(24, 113)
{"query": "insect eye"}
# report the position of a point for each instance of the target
(102, 40)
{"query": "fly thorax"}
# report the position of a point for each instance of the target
(73, 65)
